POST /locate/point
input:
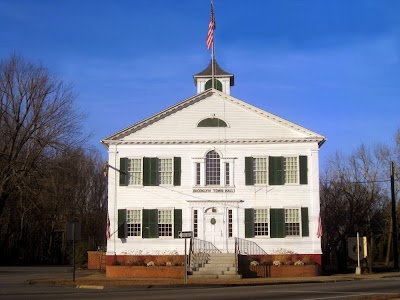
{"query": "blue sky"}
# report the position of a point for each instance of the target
(330, 66)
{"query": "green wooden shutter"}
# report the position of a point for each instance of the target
(150, 171)
(276, 171)
(277, 222)
(248, 169)
(304, 221)
(150, 223)
(303, 170)
(249, 223)
(122, 232)
(177, 171)
(217, 85)
(177, 222)
(123, 168)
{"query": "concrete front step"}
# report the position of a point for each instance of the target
(219, 265)
(219, 276)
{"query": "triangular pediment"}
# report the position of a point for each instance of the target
(245, 124)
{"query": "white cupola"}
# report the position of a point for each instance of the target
(222, 80)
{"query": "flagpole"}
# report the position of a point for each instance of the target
(213, 49)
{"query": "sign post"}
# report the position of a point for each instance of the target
(185, 235)
(74, 234)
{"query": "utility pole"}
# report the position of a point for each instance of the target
(394, 223)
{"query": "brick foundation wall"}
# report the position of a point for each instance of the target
(94, 258)
(145, 272)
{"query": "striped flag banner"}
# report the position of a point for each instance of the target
(319, 231)
(211, 28)
(108, 235)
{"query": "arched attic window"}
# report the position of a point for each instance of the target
(212, 122)
(217, 85)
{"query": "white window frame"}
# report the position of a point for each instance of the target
(129, 222)
(297, 170)
(159, 171)
(266, 181)
(171, 210)
(268, 222)
(299, 222)
(223, 164)
(129, 173)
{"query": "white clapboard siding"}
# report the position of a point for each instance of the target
(250, 132)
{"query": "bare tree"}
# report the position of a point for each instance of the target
(37, 119)
(353, 198)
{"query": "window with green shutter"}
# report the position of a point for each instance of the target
(177, 171)
(122, 232)
(249, 222)
(150, 223)
(276, 170)
(248, 169)
(177, 222)
(303, 170)
(304, 221)
(123, 171)
(150, 171)
(217, 85)
(277, 222)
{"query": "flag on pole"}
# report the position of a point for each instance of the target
(211, 28)
(319, 231)
(108, 235)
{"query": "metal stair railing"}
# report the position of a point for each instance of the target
(246, 247)
(198, 252)
(201, 246)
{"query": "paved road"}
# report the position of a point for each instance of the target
(13, 286)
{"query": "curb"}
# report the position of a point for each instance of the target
(93, 287)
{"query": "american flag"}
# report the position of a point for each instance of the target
(108, 235)
(319, 231)
(211, 28)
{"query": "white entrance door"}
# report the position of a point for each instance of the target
(214, 229)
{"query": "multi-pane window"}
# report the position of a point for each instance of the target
(197, 173)
(260, 167)
(261, 218)
(291, 169)
(230, 223)
(165, 222)
(195, 223)
(292, 222)
(134, 222)
(134, 169)
(212, 168)
(227, 174)
(165, 171)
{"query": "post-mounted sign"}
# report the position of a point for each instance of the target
(185, 234)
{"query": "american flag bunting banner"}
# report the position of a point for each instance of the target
(211, 28)
(319, 231)
(108, 235)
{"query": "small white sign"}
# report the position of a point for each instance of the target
(185, 234)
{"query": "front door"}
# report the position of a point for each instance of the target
(214, 229)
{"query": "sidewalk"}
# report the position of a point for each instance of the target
(94, 279)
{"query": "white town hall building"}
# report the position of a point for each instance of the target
(218, 167)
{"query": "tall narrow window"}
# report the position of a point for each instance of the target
(212, 168)
(134, 222)
(135, 171)
(260, 170)
(227, 174)
(230, 223)
(261, 217)
(292, 222)
(291, 168)
(165, 170)
(197, 173)
(195, 223)
(165, 222)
